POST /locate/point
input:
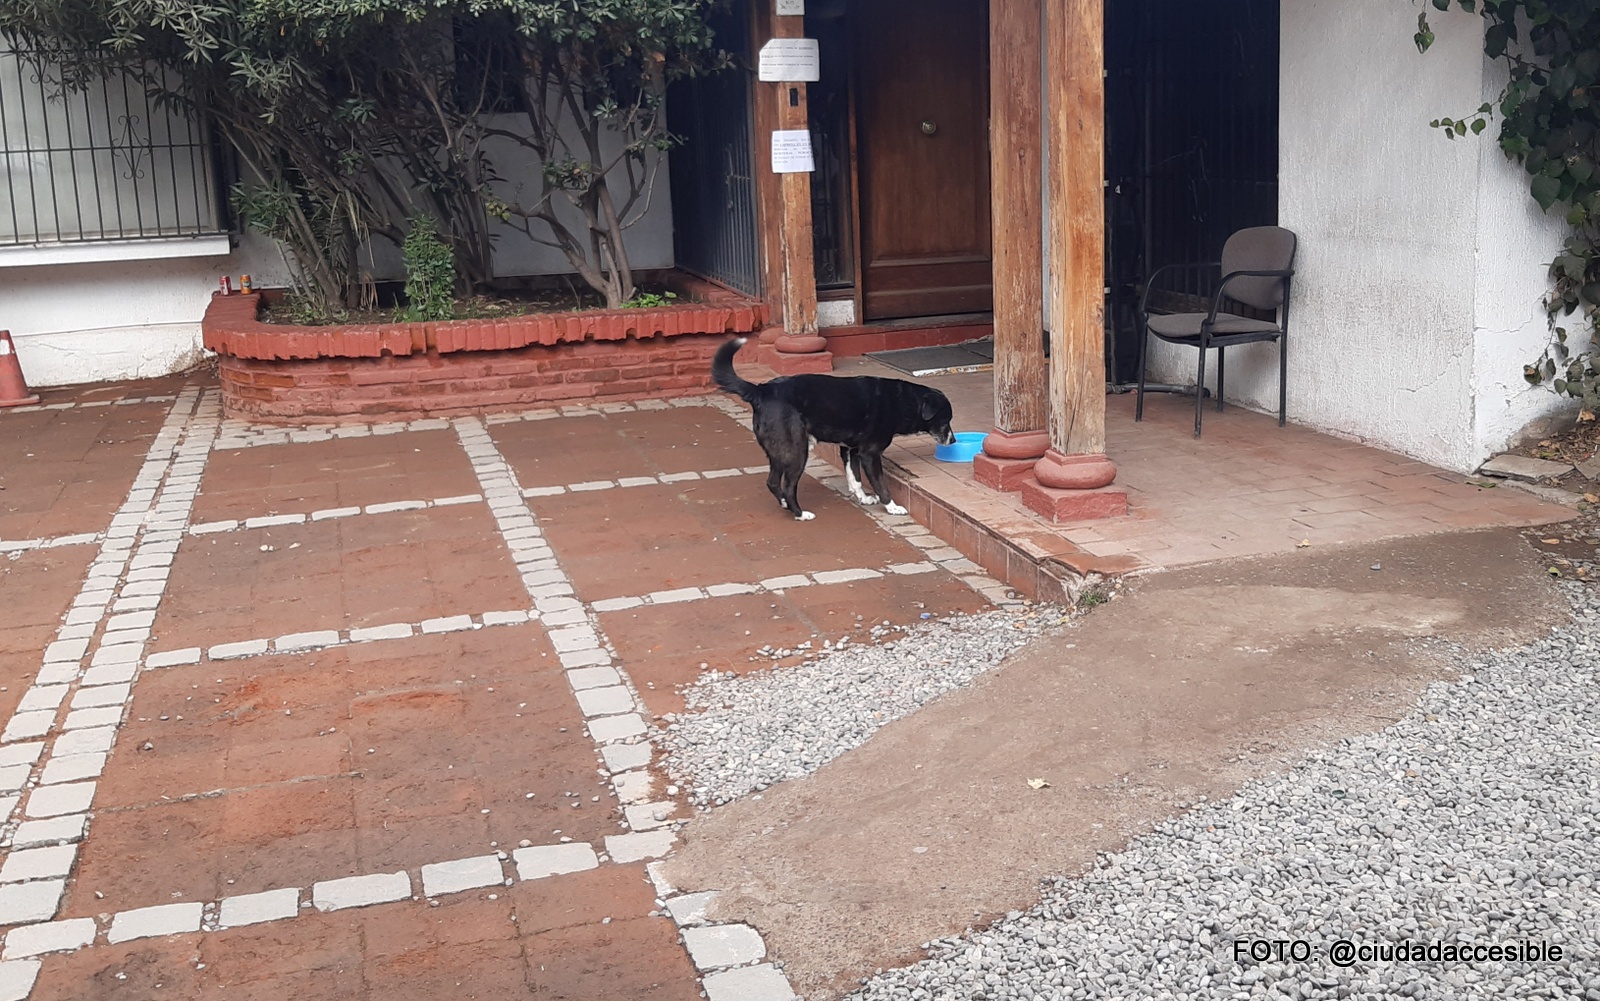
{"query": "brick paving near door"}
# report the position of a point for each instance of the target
(363, 711)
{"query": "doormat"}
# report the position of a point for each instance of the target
(973, 356)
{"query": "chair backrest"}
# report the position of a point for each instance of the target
(1262, 248)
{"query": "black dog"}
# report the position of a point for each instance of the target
(860, 414)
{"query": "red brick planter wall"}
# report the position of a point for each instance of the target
(279, 372)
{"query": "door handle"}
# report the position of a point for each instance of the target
(929, 127)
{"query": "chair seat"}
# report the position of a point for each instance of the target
(1186, 326)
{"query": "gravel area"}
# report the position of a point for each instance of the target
(744, 732)
(1475, 820)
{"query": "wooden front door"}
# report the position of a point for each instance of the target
(923, 131)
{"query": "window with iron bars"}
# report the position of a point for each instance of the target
(102, 161)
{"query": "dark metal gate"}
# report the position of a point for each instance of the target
(713, 183)
(1191, 141)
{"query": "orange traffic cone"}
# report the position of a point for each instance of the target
(13, 388)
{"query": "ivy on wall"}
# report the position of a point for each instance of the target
(1549, 116)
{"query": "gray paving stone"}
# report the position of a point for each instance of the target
(714, 947)
(844, 576)
(17, 978)
(390, 507)
(14, 777)
(504, 618)
(306, 641)
(640, 846)
(101, 695)
(25, 725)
(725, 590)
(149, 922)
(111, 674)
(573, 639)
(52, 936)
(255, 908)
(66, 650)
(447, 624)
(552, 860)
(676, 595)
(91, 741)
(122, 653)
(38, 863)
(57, 801)
(617, 604)
(73, 768)
(690, 908)
(21, 754)
(751, 983)
(96, 716)
(361, 891)
(392, 631)
(25, 903)
(334, 512)
(244, 648)
(609, 728)
(649, 816)
(593, 677)
(41, 697)
(625, 757)
(462, 874)
(54, 830)
(781, 583)
(632, 787)
(605, 701)
(1521, 467)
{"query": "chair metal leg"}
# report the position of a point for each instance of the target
(1144, 350)
(1200, 390)
(1283, 378)
(1222, 357)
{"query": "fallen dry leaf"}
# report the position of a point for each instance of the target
(1304, 543)
(1038, 784)
(1551, 542)
(1592, 498)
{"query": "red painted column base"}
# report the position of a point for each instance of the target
(1074, 488)
(788, 354)
(1008, 458)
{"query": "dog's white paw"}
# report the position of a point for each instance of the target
(869, 499)
(783, 503)
(805, 516)
(894, 508)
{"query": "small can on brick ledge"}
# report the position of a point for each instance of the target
(244, 284)
(225, 285)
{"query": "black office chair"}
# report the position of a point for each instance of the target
(1256, 268)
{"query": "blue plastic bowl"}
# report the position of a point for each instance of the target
(966, 445)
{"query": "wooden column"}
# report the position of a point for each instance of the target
(1075, 134)
(791, 344)
(1021, 395)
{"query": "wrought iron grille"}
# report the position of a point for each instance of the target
(713, 182)
(107, 160)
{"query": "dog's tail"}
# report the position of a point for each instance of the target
(726, 378)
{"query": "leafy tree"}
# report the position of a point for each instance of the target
(350, 117)
(1550, 123)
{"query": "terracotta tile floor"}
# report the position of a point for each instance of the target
(451, 733)
(1246, 488)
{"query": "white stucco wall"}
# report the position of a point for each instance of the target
(1421, 260)
(105, 320)
(129, 319)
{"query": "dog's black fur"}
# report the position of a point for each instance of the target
(860, 414)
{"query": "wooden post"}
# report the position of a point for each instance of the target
(796, 346)
(1075, 133)
(1021, 395)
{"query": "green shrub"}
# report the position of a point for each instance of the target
(430, 274)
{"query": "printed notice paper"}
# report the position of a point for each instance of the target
(791, 152)
(790, 60)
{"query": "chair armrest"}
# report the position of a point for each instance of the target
(1150, 282)
(1222, 287)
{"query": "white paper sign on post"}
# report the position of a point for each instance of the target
(791, 8)
(791, 152)
(790, 60)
